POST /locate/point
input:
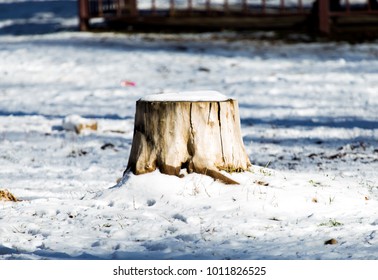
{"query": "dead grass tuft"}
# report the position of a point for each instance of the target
(5, 195)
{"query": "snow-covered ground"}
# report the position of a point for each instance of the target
(309, 121)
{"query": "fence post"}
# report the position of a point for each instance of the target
(134, 9)
(324, 24)
(83, 15)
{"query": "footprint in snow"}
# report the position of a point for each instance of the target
(155, 246)
(180, 218)
(151, 202)
(172, 229)
(187, 237)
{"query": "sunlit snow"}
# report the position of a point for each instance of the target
(309, 122)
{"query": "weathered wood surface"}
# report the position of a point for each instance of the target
(201, 136)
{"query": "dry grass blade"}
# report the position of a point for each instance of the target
(261, 183)
(7, 196)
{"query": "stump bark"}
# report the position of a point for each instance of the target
(202, 136)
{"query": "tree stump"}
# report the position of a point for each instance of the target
(196, 131)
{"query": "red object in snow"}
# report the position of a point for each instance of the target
(127, 83)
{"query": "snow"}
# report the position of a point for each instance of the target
(308, 118)
(193, 96)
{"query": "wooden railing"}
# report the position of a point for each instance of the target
(328, 9)
(320, 11)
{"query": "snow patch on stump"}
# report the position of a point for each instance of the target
(186, 96)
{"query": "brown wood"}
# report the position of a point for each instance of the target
(83, 8)
(324, 19)
(237, 15)
(201, 136)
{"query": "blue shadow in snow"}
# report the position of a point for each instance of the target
(52, 116)
(339, 122)
(37, 17)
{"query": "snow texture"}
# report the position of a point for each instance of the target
(309, 122)
(190, 96)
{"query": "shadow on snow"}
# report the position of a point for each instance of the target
(336, 122)
(36, 17)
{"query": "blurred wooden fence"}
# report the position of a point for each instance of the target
(263, 14)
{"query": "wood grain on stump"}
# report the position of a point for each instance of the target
(198, 134)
